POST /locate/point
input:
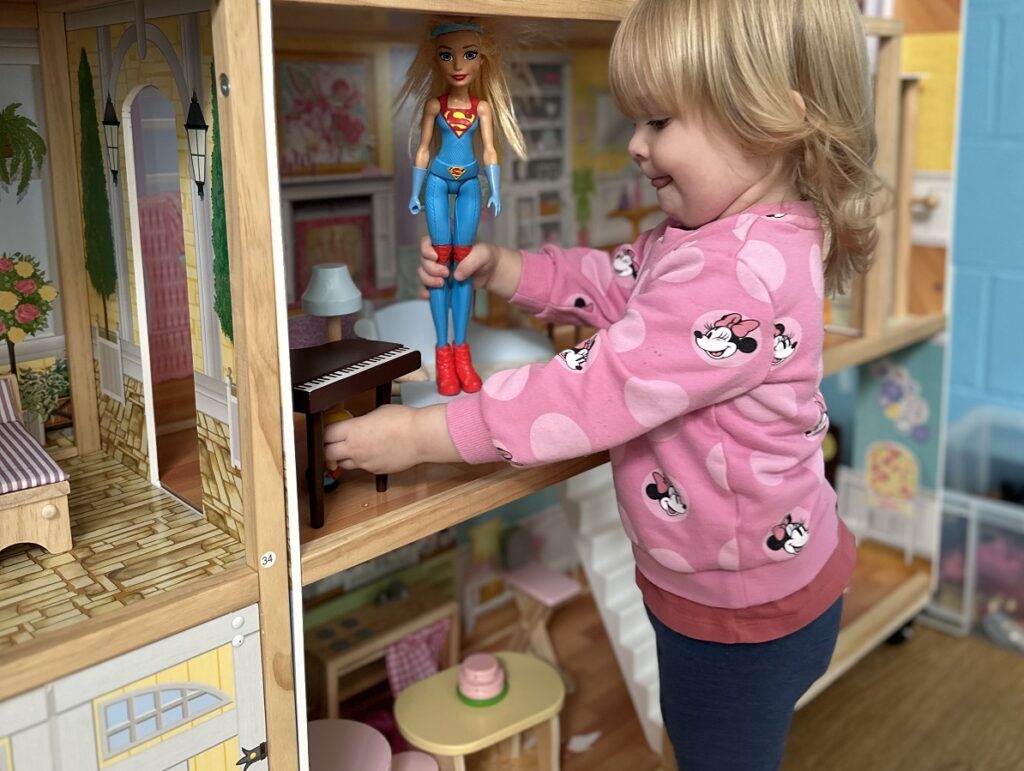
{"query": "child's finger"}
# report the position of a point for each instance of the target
(428, 279)
(427, 249)
(471, 264)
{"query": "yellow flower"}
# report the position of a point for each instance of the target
(24, 268)
(8, 300)
(48, 293)
(15, 334)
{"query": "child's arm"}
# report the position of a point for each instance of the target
(699, 332)
(574, 286)
(391, 439)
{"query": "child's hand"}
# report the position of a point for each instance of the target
(489, 266)
(390, 439)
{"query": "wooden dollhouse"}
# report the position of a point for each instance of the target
(168, 639)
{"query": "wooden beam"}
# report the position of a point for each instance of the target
(19, 16)
(78, 646)
(842, 352)
(63, 168)
(878, 282)
(595, 10)
(910, 90)
(236, 47)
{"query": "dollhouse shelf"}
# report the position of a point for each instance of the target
(361, 523)
(884, 594)
(842, 351)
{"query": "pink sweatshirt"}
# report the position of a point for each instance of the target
(702, 381)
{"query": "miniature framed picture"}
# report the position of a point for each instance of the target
(325, 114)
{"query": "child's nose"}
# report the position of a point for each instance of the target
(637, 146)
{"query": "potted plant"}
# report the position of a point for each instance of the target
(25, 300)
(21, 148)
(41, 391)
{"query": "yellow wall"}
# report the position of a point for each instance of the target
(937, 56)
(219, 758)
(214, 668)
(5, 749)
(590, 77)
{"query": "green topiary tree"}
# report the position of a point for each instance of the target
(221, 272)
(99, 235)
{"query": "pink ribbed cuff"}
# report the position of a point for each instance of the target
(534, 290)
(468, 431)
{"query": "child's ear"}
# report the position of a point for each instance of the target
(798, 100)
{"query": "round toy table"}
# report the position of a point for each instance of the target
(346, 745)
(431, 716)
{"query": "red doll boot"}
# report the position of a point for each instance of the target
(447, 380)
(464, 369)
(444, 253)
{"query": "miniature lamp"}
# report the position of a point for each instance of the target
(110, 128)
(195, 127)
(331, 293)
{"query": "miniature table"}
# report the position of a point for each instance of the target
(346, 745)
(342, 645)
(431, 716)
(538, 591)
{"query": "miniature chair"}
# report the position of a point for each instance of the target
(413, 761)
(33, 488)
(538, 591)
(347, 745)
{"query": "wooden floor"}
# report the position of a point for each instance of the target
(935, 703)
(177, 443)
(131, 540)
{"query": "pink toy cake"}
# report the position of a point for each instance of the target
(481, 680)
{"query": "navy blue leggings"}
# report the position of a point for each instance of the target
(728, 707)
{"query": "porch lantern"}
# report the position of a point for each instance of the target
(195, 127)
(110, 130)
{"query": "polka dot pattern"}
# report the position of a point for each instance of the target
(770, 469)
(683, 265)
(628, 332)
(665, 432)
(649, 401)
(729, 556)
(628, 527)
(507, 384)
(766, 260)
(597, 269)
(672, 560)
(716, 465)
(751, 283)
(554, 436)
(743, 223)
(768, 403)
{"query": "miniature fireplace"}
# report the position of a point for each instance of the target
(339, 220)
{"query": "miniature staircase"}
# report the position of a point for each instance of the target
(607, 557)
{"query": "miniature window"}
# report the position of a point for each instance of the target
(134, 718)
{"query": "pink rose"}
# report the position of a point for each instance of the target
(5, 265)
(25, 286)
(2, 328)
(26, 312)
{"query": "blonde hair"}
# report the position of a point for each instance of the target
(738, 62)
(424, 81)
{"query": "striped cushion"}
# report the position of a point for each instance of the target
(23, 463)
(8, 412)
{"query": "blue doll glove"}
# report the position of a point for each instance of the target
(494, 178)
(418, 177)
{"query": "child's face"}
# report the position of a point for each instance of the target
(700, 174)
(458, 57)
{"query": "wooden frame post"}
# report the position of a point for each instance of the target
(878, 282)
(63, 167)
(236, 48)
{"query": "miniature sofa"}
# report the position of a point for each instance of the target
(33, 488)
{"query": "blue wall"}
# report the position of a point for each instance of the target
(987, 364)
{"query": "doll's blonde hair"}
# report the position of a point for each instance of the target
(738, 62)
(424, 80)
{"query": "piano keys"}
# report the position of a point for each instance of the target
(323, 376)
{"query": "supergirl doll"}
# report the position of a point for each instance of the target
(460, 62)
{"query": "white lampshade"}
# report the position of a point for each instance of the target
(331, 291)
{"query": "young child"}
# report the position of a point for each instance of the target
(754, 125)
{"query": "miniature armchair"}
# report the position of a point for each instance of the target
(33, 488)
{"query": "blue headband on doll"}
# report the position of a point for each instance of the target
(456, 26)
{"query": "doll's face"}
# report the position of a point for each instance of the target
(458, 57)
